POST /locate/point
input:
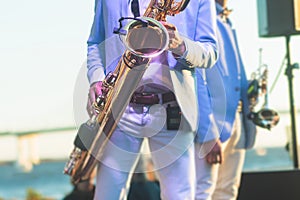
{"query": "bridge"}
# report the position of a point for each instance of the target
(24, 146)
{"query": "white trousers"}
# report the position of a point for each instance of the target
(172, 153)
(222, 181)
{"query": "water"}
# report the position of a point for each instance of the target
(47, 178)
(268, 159)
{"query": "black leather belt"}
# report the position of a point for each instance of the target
(150, 99)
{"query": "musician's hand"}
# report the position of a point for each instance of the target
(176, 43)
(94, 92)
(215, 155)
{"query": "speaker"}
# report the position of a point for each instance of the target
(278, 17)
(275, 185)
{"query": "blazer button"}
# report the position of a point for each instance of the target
(237, 89)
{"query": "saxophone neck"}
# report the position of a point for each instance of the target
(159, 9)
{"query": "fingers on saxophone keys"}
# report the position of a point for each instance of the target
(92, 108)
(172, 44)
(89, 108)
(168, 26)
(91, 97)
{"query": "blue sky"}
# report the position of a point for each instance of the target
(43, 47)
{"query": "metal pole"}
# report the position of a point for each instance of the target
(289, 74)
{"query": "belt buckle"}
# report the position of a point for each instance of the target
(145, 98)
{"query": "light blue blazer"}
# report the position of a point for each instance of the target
(227, 84)
(197, 23)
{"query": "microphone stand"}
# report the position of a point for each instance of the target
(289, 74)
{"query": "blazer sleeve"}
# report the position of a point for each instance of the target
(97, 35)
(202, 52)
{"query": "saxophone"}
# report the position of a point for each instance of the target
(265, 117)
(144, 37)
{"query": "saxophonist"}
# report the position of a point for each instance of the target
(163, 107)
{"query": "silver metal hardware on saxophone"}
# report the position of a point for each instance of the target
(74, 157)
(258, 87)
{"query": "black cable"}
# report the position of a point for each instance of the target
(278, 73)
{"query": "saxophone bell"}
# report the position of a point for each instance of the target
(145, 37)
(265, 118)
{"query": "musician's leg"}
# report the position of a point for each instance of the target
(206, 174)
(118, 160)
(229, 175)
(173, 158)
